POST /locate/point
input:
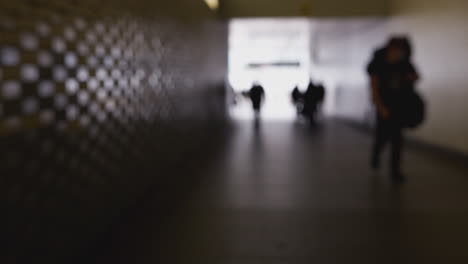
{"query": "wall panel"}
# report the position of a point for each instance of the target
(96, 99)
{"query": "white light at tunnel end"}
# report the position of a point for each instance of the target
(252, 41)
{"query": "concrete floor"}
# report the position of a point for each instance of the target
(283, 193)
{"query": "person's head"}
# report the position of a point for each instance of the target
(407, 47)
(396, 50)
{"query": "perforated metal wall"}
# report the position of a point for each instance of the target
(91, 107)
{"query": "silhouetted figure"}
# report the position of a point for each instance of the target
(257, 95)
(296, 95)
(313, 98)
(320, 90)
(297, 99)
(393, 77)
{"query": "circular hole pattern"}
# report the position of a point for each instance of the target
(9, 56)
(29, 73)
(43, 29)
(11, 90)
(47, 116)
(60, 73)
(93, 109)
(60, 101)
(82, 74)
(93, 84)
(58, 45)
(91, 38)
(72, 86)
(101, 74)
(46, 89)
(102, 95)
(85, 120)
(30, 106)
(109, 84)
(29, 41)
(72, 112)
(70, 34)
(110, 105)
(100, 50)
(45, 59)
(92, 61)
(71, 60)
(83, 98)
(80, 23)
(74, 75)
(108, 61)
(82, 48)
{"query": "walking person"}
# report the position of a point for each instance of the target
(393, 77)
(257, 96)
(297, 99)
(313, 98)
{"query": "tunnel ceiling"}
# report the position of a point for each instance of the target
(295, 8)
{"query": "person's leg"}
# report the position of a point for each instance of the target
(396, 156)
(256, 106)
(312, 115)
(381, 135)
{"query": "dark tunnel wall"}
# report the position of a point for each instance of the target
(96, 100)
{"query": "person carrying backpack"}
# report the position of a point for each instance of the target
(398, 106)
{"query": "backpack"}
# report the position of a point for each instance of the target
(413, 111)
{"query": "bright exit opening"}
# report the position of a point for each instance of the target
(274, 52)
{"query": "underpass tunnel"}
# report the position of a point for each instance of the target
(127, 134)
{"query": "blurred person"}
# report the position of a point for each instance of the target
(392, 77)
(320, 95)
(296, 95)
(257, 96)
(297, 99)
(313, 98)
